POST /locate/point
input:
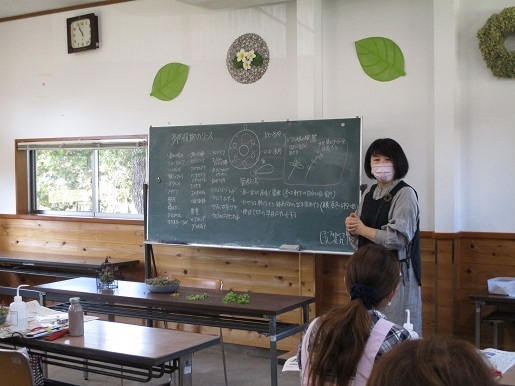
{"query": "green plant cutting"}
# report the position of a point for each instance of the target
(232, 297)
(197, 296)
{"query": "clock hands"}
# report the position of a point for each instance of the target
(80, 29)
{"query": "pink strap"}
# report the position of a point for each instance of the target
(374, 342)
(376, 338)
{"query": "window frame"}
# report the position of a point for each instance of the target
(25, 161)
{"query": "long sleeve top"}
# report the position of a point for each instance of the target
(402, 219)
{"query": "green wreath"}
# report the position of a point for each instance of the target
(491, 43)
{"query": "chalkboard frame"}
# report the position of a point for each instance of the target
(151, 208)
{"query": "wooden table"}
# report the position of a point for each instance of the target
(132, 299)
(145, 353)
(482, 298)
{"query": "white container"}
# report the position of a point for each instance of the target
(18, 312)
(75, 318)
(502, 286)
(409, 326)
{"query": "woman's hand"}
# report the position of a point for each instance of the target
(353, 223)
(356, 228)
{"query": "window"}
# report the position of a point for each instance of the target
(99, 178)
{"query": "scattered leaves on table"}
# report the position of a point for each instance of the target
(197, 296)
(232, 297)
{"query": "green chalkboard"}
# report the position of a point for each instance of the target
(263, 185)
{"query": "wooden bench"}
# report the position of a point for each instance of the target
(62, 266)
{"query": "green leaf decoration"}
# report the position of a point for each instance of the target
(169, 81)
(380, 58)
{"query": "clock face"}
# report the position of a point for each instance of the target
(81, 33)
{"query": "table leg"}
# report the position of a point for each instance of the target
(478, 324)
(185, 370)
(273, 350)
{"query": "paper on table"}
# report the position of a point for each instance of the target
(39, 316)
(501, 360)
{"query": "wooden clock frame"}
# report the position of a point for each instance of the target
(93, 19)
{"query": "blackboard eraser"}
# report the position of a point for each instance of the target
(290, 247)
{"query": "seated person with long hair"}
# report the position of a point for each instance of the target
(435, 361)
(341, 347)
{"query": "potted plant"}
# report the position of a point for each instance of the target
(106, 278)
(4, 311)
(162, 284)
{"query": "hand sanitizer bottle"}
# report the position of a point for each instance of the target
(409, 326)
(18, 312)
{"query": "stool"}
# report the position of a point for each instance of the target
(496, 318)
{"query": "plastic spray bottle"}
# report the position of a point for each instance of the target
(18, 312)
(409, 326)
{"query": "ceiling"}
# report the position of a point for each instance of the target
(18, 9)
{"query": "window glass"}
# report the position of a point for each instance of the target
(63, 180)
(121, 179)
(94, 182)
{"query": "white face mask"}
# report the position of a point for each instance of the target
(383, 172)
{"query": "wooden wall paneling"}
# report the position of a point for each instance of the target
(331, 282)
(445, 287)
(307, 270)
(257, 271)
(72, 238)
(429, 281)
(319, 285)
(307, 282)
(480, 259)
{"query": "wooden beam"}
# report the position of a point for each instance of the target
(63, 9)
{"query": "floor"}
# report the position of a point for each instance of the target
(246, 366)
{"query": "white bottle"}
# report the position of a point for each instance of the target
(409, 326)
(75, 318)
(18, 312)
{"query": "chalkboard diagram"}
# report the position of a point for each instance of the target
(310, 161)
(258, 185)
(244, 149)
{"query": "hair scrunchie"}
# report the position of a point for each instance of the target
(365, 292)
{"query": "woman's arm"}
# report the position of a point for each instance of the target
(402, 221)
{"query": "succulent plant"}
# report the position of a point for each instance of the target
(162, 280)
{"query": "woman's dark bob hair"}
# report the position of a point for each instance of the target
(387, 147)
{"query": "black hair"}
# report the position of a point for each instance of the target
(389, 148)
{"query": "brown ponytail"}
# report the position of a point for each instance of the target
(343, 331)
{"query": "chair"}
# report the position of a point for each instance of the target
(15, 368)
(199, 282)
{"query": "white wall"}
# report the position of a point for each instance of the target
(487, 129)
(313, 73)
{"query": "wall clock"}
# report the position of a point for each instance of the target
(82, 32)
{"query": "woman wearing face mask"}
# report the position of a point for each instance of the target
(388, 215)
